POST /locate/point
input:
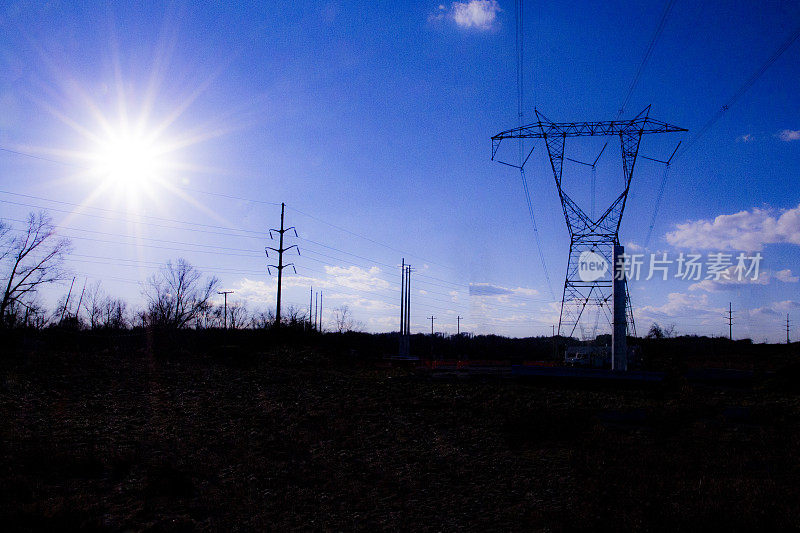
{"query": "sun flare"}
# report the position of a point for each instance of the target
(129, 161)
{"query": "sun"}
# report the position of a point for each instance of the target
(129, 161)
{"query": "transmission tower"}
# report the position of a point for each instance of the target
(589, 235)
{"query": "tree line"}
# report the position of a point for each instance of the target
(177, 296)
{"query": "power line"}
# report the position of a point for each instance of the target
(240, 198)
(240, 232)
(648, 52)
(743, 89)
(519, 6)
(731, 101)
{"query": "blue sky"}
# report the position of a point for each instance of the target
(375, 119)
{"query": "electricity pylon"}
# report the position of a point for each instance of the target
(588, 234)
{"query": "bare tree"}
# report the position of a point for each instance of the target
(102, 310)
(29, 260)
(177, 296)
(114, 311)
(343, 319)
(237, 315)
(292, 317)
(35, 316)
(262, 320)
(93, 305)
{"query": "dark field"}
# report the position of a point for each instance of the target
(294, 439)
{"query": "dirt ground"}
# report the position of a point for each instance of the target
(295, 440)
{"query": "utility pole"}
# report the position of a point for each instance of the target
(405, 309)
(310, 306)
(320, 310)
(316, 310)
(729, 318)
(280, 266)
(431, 318)
(402, 296)
(787, 328)
(555, 344)
(66, 303)
(458, 327)
(80, 300)
(225, 293)
(408, 299)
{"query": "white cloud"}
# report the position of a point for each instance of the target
(680, 305)
(775, 309)
(631, 246)
(477, 14)
(730, 279)
(501, 294)
(255, 291)
(789, 135)
(745, 230)
(786, 276)
(357, 278)
(367, 304)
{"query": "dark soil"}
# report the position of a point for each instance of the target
(293, 439)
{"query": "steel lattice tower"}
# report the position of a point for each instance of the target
(600, 236)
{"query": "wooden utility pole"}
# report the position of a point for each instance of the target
(280, 266)
(225, 293)
(431, 318)
(458, 327)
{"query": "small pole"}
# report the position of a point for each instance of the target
(431, 318)
(458, 319)
(408, 299)
(730, 320)
(80, 300)
(402, 296)
(225, 294)
(66, 303)
(787, 328)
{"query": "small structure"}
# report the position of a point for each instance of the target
(588, 356)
